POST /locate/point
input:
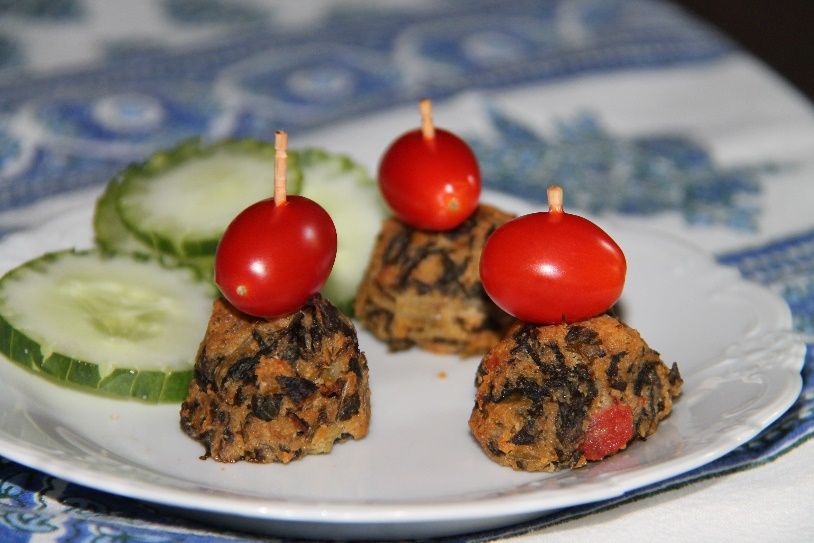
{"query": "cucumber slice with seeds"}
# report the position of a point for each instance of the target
(112, 236)
(123, 326)
(181, 200)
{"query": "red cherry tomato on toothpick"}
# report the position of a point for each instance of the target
(277, 252)
(430, 177)
(552, 267)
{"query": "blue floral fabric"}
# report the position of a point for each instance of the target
(91, 123)
(601, 172)
(144, 95)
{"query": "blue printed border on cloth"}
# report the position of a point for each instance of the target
(88, 125)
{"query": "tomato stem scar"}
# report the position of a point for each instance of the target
(554, 194)
(241, 290)
(427, 128)
(280, 160)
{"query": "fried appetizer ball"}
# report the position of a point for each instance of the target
(557, 396)
(422, 288)
(274, 390)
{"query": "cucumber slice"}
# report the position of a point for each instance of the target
(351, 197)
(180, 201)
(112, 235)
(123, 326)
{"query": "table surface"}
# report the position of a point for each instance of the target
(777, 37)
(577, 91)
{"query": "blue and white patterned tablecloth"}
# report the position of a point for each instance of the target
(692, 136)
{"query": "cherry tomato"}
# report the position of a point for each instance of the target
(552, 267)
(272, 258)
(430, 183)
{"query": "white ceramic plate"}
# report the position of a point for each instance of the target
(419, 473)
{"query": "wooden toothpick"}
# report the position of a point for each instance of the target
(427, 128)
(280, 160)
(554, 194)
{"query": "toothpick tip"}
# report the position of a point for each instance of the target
(427, 126)
(554, 194)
